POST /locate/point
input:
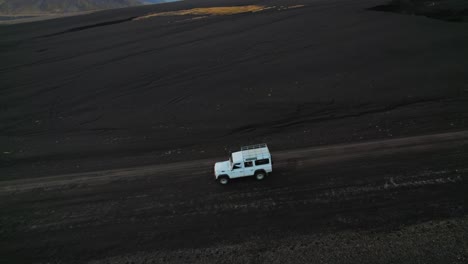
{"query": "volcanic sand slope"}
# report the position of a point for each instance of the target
(101, 90)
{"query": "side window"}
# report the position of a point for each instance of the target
(236, 166)
(248, 164)
(262, 162)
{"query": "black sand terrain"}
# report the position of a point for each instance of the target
(111, 122)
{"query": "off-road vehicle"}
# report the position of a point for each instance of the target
(254, 160)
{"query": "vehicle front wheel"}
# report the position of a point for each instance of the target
(260, 175)
(223, 180)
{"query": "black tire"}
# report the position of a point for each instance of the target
(260, 175)
(223, 180)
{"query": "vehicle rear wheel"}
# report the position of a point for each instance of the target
(260, 175)
(223, 180)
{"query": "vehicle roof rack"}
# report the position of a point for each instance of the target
(263, 145)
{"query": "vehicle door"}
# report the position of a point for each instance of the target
(249, 168)
(237, 170)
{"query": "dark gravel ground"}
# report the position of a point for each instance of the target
(101, 91)
(393, 204)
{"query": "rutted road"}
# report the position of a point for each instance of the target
(379, 185)
(283, 160)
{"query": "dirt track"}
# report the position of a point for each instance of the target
(287, 160)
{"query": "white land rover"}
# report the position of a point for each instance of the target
(252, 160)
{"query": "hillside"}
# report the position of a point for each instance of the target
(186, 74)
(111, 123)
(11, 7)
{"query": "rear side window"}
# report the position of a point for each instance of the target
(262, 162)
(248, 164)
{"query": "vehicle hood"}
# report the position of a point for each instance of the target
(223, 166)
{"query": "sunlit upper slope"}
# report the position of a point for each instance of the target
(213, 11)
